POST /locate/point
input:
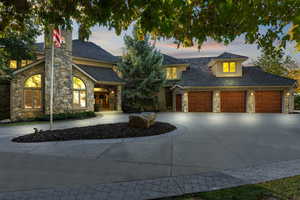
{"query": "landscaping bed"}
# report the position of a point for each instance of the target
(104, 131)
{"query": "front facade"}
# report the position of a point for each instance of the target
(223, 84)
(86, 80)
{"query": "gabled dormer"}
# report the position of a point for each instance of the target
(227, 65)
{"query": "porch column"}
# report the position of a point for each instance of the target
(288, 101)
(185, 102)
(119, 98)
(250, 101)
(216, 101)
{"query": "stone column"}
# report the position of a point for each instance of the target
(288, 101)
(216, 101)
(119, 98)
(185, 102)
(174, 101)
(62, 74)
(250, 101)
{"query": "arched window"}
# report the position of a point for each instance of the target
(79, 93)
(33, 92)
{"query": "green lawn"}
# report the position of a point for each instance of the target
(281, 189)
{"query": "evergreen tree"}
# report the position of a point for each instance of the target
(141, 68)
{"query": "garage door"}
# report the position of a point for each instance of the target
(233, 101)
(268, 101)
(200, 101)
(178, 102)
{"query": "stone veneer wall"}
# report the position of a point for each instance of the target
(216, 101)
(185, 102)
(63, 97)
(17, 110)
(119, 98)
(90, 101)
(288, 100)
(250, 101)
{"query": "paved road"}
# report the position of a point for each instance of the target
(209, 142)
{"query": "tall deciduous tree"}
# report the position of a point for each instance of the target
(277, 63)
(141, 68)
(186, 21)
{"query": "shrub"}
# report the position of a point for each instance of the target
(64, 116)
(297, 102)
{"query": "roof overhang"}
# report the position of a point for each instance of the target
(82, 71)
(94, 60)
(177, 65)
(236, 87)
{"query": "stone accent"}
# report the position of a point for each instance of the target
(119, 98)
(288, 101)
(185, 102)
(90, 101)
(250, 102)
(63, 97)
(5, 99)
(17, 110)
(216, 101)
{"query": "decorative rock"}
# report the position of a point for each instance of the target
(5, 121)
(144, 120)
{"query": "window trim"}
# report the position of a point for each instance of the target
(33, 89)
(78, 106)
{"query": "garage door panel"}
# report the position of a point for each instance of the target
(233, 101)
(200, 101)
(268, 101)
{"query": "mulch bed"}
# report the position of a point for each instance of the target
(104, 131)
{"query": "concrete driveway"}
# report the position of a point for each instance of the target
(207, 142)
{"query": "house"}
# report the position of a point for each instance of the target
(86, 80)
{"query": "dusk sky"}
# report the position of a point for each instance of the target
(114, 44)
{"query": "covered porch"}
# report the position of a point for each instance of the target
(107, 97)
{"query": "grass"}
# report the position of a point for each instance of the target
(281, 189)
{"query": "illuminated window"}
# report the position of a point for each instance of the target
(171, 73)
(13, 64)
(229, 67)
(25, 62)
(79, 93)
(33, 92)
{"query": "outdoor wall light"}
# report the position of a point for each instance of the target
(288, 94)
(251, 93)
(217, 94)
(112, 92)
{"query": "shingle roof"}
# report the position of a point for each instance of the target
(226, 55)
(199, 74)
(169, 60)
(101, 73)
(87, 50)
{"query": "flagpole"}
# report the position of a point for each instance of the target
(51, 85)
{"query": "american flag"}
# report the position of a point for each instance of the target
(57, 38)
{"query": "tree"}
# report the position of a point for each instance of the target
(188, 22)
(141, 68)
(17, 45)
(276, 63)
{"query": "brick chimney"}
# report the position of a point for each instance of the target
(62, 102)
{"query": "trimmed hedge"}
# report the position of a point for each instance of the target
(65, 116)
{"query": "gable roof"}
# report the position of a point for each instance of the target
(101, 74)
(86, 50)
(200, 75)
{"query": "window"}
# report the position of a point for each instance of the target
(229, 67)
(79, 93)
(13, 64)
(33, 92)
(25, 62)
(171, 73)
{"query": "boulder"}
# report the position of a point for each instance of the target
(143, 120)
